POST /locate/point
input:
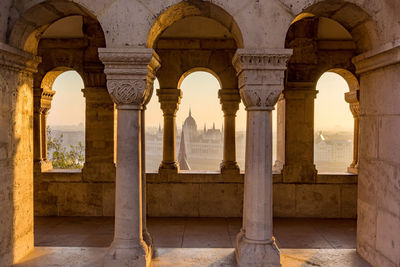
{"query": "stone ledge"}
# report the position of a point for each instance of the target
(383, 56)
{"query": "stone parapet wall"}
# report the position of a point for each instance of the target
(206, 194)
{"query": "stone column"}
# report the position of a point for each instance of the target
(353, 98)
(169, 102)
(129, 84)
(42, 104)
(299, 132)
(280, 134)
(99, 127)
(260, 73)
(230, 99)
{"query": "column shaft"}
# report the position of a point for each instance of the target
(299, 133)
(146, 236)
(169, 101)
(258, 176)
(128, 212)
(230, 99)
(353, 98)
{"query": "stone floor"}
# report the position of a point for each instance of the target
(193, 242)
(195, 232)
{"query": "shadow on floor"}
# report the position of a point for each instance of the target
(195, 232)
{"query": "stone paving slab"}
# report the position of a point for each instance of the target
(190, 257)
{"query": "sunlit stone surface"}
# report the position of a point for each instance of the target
(268, 52)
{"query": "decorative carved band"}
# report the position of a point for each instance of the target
(169, 100)
(130, 74)
(127, 91)
(353, 98)
(260, 73)
(230, 100)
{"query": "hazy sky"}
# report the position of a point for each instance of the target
(200, 92)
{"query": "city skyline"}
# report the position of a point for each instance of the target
(200, 94)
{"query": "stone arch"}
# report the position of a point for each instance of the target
(348, 76)
(357, 21)
(187, 73)
(26, 30)
(186, 9)
(48, 79)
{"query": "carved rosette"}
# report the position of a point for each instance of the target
(130, 74)
(260, 73)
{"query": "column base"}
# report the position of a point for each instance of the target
(256, 253)
(127, 253)
(229, 167)
(352, 170)
(43, 166)
(148, 239)
(168, 167)
(278, 166)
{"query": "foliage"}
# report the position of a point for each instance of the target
(60, 156)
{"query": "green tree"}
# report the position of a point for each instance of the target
(60, 156)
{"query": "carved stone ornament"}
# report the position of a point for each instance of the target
(261, 73)
(130, 73)
(260, 98)
(127, 92)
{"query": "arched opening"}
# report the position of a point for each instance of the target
(66, 122)
(154, 132)
(200, 123)
(333, 125)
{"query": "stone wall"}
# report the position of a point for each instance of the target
(196, 195)
(16, 156)
(378, 231)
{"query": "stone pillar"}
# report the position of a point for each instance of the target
(280, 134)
(299, 132)
(129, 84)
(169, 102)
(260, 73)
(99, 127)
(42, 104)
(230, 99)
(353, 98)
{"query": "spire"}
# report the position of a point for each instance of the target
(213, 125)
(190, 111)
(182, 158)
(205, 129)
(159, 128)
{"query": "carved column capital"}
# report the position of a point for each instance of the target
(43, 98)
(169, 100)
(230, 100)
(130, 74)
(260, 73)
(353, 98)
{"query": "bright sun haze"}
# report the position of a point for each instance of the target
(68, 105)
(200, 93)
